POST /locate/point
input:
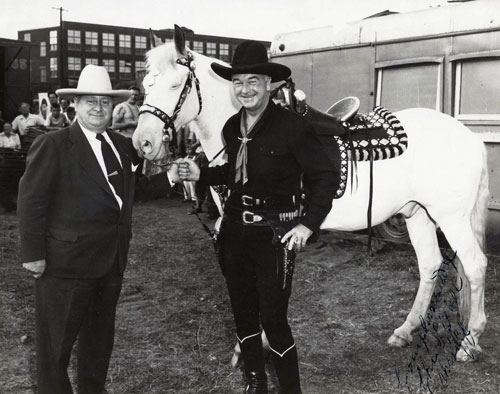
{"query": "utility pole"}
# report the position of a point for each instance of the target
(61, 46)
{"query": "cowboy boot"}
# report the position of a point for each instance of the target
(256, 383)
(287, 370)
(253, 360)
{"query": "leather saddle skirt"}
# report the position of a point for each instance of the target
(378, 134)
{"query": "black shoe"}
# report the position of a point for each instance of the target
(256, 383)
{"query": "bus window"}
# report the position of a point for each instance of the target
(477, 87)
(408, 86)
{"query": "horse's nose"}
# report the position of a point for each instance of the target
(146, 147)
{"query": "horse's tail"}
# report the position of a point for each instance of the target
(478, 224)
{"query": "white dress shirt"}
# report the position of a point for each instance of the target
(95, 144)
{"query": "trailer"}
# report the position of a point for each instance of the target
(446, 58)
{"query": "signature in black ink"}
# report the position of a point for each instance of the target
(434, 354)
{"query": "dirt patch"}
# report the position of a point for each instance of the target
(175, 332)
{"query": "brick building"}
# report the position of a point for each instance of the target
(57, 62)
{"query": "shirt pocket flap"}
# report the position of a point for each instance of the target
(63, 235)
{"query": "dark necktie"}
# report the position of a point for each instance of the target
(113, 168)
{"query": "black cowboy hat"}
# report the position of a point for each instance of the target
(250, 57)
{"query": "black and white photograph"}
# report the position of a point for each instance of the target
(256, 197)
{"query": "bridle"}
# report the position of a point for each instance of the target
(168, 121)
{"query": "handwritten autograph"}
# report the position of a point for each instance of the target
(442, 335)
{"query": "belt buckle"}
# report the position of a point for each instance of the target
(247, 201)
(250, 217)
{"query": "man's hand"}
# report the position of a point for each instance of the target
(188, 170)
(297, 237)
(36, 267)
(173, 172)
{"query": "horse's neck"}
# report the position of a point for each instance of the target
(218, 106)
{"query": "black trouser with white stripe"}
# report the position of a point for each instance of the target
(258, 300)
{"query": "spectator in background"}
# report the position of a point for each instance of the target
(71, 115)
(8, 139)
(43, 109)
(52, 98)
(64, 105)
(56, 120)
(35, 107)
(126, 114)
(26, 120)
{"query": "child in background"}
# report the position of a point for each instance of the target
(56, 120)
(71, 114)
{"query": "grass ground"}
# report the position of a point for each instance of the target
(175, 332)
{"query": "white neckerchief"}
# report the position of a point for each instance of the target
(95, 144)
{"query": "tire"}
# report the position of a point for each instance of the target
(393, 230)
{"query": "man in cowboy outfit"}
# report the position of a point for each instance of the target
(269, 151)
(75, 212)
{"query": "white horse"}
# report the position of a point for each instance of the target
(441, 179)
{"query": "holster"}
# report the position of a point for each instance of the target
(285, 259)
(218, 242)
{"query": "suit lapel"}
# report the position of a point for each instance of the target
(84, 154)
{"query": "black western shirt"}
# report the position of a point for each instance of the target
(283, 147)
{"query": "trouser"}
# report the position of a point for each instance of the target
(71, 308)
(257, 299)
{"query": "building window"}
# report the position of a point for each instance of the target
(74, 40)
(476, 89)
(43, 74)
(91, 60)
(53, 67)
(91, 41)
(125, 69)
(224, 52)
(198, 46)
(43, 48)
(27, 36)
(108, 42)
(109, 65)
(74, 66)
(141, 45)
(211, 49)
(188, 44)
(125, 43)
(410, 85)
(140, 65)
(53, 40)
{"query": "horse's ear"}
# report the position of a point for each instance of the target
(155, 40)
(180, 40)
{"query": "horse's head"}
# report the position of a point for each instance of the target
(171, 98)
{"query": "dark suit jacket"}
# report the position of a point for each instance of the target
(67, 212)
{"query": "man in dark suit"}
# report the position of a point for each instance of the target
(75, 211)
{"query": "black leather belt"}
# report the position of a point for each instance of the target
(261, 218)
(244, 201)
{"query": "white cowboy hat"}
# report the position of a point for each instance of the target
(94, 81)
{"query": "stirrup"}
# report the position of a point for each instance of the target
(345, 108)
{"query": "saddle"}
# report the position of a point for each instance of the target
(347, 135)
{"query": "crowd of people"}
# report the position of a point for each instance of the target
(59, 112)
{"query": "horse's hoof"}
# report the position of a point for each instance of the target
(398, 341)
(468, 356)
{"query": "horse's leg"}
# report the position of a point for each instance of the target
(423, 237)
(461, 238)
(236, 359)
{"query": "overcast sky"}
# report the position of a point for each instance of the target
(253, 19)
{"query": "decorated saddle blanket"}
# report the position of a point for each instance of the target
(378, 133)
